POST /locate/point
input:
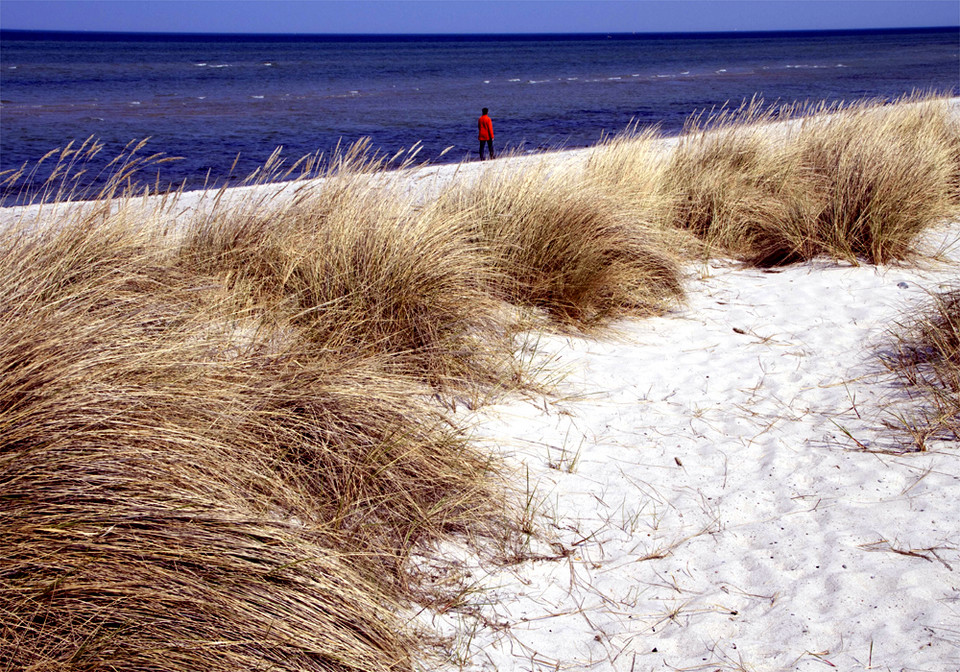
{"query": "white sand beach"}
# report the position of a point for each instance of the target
(718, 488)
(715, 491)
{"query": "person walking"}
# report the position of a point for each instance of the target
(485, 127)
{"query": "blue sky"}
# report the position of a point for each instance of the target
(471, 16)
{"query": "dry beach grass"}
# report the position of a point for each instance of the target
(221, 445)
(857, 182)
(927, 360)
(556, 244)
(182, 498)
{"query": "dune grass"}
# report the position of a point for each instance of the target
(777, 185)
(182, 494)
(926, 359)
(632, 165)
(734, 187)
(68, 174)
(351, 268)
(881, 176)
(556, 244)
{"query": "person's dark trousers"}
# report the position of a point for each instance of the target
(489, 144)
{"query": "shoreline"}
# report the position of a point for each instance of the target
(170, 208)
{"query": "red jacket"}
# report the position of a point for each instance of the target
(485, 125)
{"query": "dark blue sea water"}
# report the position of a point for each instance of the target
(209, 98)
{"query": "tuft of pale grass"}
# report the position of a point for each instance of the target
(69, 173)
(631, 168)
(779, 185)
(631, 164)
(121, 584)
(353, 266)
(732, 184)
(135, 530)
(927, 361)
(882, 175)
(558, 244)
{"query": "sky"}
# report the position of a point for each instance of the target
(471, 16)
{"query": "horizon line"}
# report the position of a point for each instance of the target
(196, 33)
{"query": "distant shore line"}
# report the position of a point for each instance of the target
(175, 205)
(80, 35)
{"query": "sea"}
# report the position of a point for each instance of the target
(223, 104)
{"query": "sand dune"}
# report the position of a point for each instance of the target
(720, 487)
